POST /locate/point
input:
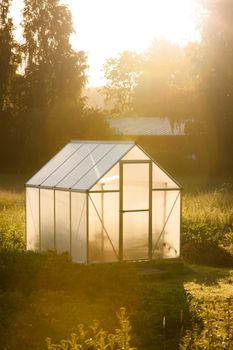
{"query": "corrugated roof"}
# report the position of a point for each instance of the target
(80, 164)
(145, 126)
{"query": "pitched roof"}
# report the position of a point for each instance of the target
(80, 164)
(145, 126)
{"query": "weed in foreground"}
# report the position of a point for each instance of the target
(95, 338)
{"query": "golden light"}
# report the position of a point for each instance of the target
(106, 27)
(103, 28)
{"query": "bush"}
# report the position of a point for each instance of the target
(200, 233)
(203, 244)
(206, 253)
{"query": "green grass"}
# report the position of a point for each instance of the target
(214, 208)
(12, 219)
(47, 296)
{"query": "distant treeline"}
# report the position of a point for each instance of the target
(42, 82)
(193, 84)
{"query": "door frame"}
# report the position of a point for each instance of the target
(121, 211)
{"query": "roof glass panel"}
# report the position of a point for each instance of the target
(53, 164)
(96, 172)
(84, 167)
(72, 162)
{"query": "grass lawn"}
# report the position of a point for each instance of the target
(46, 295)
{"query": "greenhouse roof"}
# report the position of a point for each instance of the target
(80, 164)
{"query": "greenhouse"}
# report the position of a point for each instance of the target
(103, 202)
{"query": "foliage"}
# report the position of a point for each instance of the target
(96, 338)
(212, 59)
(9, 57)
(207, 227)
(41, 87)
(122, 74)
(165, 85)
(208, 216)
(200, 233)
(12, 221)
(206, 253)
(212, 324)
(53, 69)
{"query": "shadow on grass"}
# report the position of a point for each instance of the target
(46, 295)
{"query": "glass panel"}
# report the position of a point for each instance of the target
(32, 218)
(166, 223)
(93, 155)
(161, 179)
(55, 162)
(111, 223)
(103, 165)
(173, 225)
(78, 227)
(109, 181)
(62, 210)
(47, 219)
(70, 163)
(135, 186)
(135, 235)
(96, 233)
(135, 154)
(100, 242)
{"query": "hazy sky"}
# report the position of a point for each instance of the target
(106, 27)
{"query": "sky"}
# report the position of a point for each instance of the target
(104, 28)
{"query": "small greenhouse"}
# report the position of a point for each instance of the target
(103, 202)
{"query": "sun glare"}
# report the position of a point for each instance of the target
(103, 28)
(106, 27)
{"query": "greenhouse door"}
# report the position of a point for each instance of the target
(135, 210)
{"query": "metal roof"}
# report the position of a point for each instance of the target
(80, 164)
(146, 126)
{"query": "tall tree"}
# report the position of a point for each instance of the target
(54, 74)
(53, 69)
(213, 65)
(165, 84)
(122, 75)
(9, 62)
(9, 57)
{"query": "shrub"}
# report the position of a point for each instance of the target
(200, 233)
(206, 253)
(203, 244)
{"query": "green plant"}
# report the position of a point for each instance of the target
(95, 338)
(200, 233)
(213, 208)
(12, 218)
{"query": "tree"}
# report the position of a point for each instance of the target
(53, 70)
(54, 75)
(9, 62)
(9, 57)
(122, 75)
(165, 83)
(213, 65)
